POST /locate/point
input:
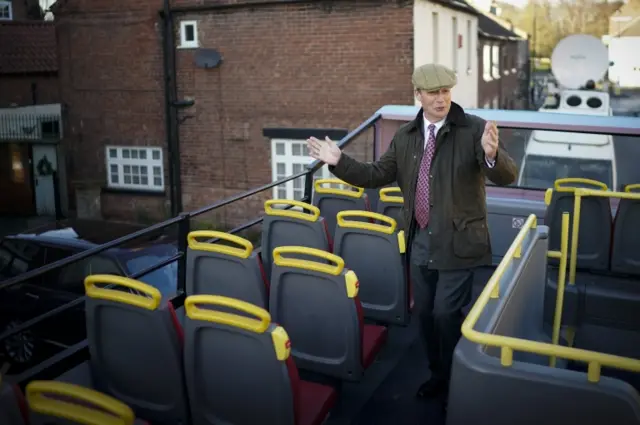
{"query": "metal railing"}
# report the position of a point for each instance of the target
(553, 350)
(508, 119)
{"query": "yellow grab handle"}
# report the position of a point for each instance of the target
(385, 197)
(194, 312)
(81, 405)
(313, 216)
(558, 184)
(317, 185)
(150, 299)
(244, 252)
(374, 227)
(335, 270)
(631, 187)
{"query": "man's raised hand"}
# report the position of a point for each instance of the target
(325, 150)
(490, 140)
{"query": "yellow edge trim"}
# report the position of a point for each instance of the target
(259, 325)
(402, 243)
(334, 270)
(508, 344)
(332, 191)
(301, 215)
(149, 302)
(281, 343)
(37, 393)
(352, 284)
(244, 252)
(385, 197)
(374, 227)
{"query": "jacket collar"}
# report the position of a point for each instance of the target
(456, 116)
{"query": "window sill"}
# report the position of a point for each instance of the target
(134, 192)
(187, 46)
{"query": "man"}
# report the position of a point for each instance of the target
(439, 160)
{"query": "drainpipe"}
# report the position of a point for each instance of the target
(171, 121)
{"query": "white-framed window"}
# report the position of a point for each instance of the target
(288, 157)
(486, 62)
(495, 61)
(454, 44)
(435, 36)
(6, 12)
(188, 34)
(135, 167)
(468, 41)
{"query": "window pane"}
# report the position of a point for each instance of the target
(114, 168)
(143, 170)
(280, 149)
(280, 169)
(157, 181)
(136, 179)
(125, 153)
(296, 149)
(282, 193)
(156, 171)
(126, 169)
(127, 179)
(156, 154)
(113, 153)
(114, 178)
(143, 154)
(134, 154)
(144, 180)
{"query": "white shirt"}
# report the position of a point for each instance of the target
(439, 125)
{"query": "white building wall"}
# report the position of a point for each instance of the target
(448, 37)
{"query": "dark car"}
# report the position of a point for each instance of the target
(33, 249)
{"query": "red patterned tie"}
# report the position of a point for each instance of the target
(422, 187)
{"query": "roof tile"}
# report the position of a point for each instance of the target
(30, 47)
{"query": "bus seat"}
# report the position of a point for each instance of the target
(391, 204)
(239, 370)
(13, 410)
(318, 305)
(217, 268)
(284, 227)
(376, 253)
(595, 223)
(135, 344)
(625, 255)
(332, 200)
(485, 384)
(61, 403)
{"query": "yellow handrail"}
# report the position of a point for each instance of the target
(579, 193)
(507, 344)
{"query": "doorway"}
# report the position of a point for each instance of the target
(16, 191)
(44, 163)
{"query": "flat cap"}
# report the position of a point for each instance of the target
(432, 76)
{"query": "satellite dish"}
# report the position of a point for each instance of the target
(579, 58)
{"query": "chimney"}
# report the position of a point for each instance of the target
(494, 9)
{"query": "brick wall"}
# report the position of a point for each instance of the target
(25, 90)
(302, 66)
(506, 87)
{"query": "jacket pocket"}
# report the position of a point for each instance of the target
(470, 237)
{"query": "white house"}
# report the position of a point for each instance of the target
(446, 32)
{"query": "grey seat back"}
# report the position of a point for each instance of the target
(135, 343)
(331, 200)
(285, 227)
(376, 253)
(214, 267)
(625, 255)
(61, 403)
(317, 304)
(595, 223)
(12, 408)
(391, 204)
(236, 364)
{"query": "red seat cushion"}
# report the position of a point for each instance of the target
(372, 340)
(314, 401)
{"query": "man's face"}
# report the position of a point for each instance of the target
(436, 103)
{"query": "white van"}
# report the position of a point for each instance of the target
(551, 155)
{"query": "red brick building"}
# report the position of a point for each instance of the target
(500, 65)
(29, 109)
(262, 77)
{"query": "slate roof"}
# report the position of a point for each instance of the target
(28, 47)
(490, 28)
